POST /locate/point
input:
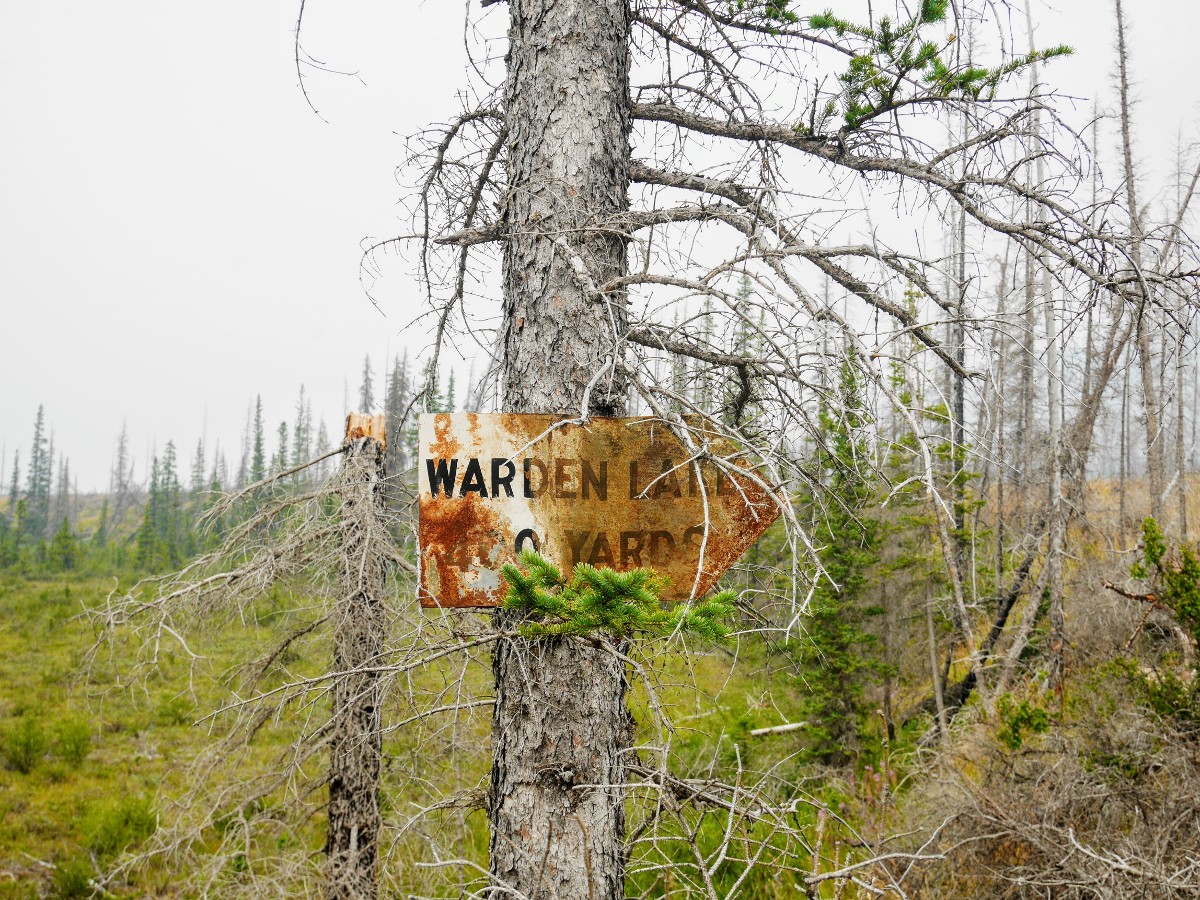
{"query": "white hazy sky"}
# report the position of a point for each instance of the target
(179, 231)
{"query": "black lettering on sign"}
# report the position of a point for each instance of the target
(530, 535)
(576, 541)
(601, 554)
(662, 545)
(695, 535)
(472, 482)
(442, 477)
(725, 485)
(592, 482)
(564, 479)
(631, 548)
(530, 489)
(667, 482)
(503, 481)
(633, 480)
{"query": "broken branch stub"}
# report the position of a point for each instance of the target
(617, 492)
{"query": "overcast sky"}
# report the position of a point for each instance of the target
(179, 231)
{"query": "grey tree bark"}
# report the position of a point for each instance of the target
(560, 723)
(1155, 451)
(352, 838)
(1056, 452)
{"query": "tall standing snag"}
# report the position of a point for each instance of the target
(561, 723)
(352, 840)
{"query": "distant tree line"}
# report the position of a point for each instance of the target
(154, 524)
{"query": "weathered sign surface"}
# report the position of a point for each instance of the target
(621, 493)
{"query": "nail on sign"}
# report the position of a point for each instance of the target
(621, 493)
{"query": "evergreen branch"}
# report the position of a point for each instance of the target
(602, 600)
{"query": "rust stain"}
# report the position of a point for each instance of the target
(457, 536)
(444, 445)
(616, 492)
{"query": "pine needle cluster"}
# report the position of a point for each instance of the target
(601, 600)
(1173, 574)
(895, 56)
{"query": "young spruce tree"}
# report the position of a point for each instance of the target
(838, 660)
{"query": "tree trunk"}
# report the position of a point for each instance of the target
(999, 396)
(1155, 454)
(352, 839)
(1123, 477)
(1180, 452)
(555, 805)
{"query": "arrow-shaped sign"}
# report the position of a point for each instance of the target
(621, 493)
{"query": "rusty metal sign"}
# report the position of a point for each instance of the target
(621, 493)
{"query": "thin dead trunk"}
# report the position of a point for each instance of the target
(939, 699)
(1001, 413)
(1055, 455)
(1028, 362)
(1123, 476)
(352, 838)
(560, 721)
(1180, 451)
(1155, 457)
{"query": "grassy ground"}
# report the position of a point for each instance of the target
(89, 760)
(86, 755)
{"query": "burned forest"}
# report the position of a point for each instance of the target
(780, 485)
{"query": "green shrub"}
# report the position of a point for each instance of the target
(73, 878)
(112, 827)
(25, 744)
(1172, 575)
(1019, 719)
(73, 742)
(176, 711)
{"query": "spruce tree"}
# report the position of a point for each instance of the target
(279, 461)
(366, 391)
(147, 546)
(196, 486)
(50, 519)
(14, 488)
(60, 505)
(838, 657)
(302, 431)
(121, 477)
(9, 523)
(37, 490)
(399, 397)
(321, 449)
(100, 536)
(258, 461)
(450, 404)
(175, 531)
(63, 552)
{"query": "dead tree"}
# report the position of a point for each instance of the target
(329, 542)
(1145, 327)
(359, 640)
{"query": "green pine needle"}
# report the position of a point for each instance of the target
(601, 600)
